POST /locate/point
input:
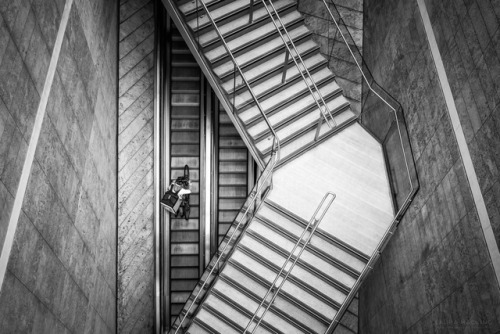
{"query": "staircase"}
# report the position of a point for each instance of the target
(262, 283)
(260, 52)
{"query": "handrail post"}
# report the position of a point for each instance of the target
(318, 128)
(273, 290)
(285, 66)
(297, 54)
(250, 18)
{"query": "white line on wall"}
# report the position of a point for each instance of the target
(477, 195)
(35, 135)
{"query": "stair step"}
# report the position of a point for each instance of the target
(231, 204)
(236, 25)
(197, 329)
(233, 167)
(228, 311)
(342, 113)
(326, 243)
(330, 92)
(285, 97)
(289, 287)
(185, 137)
(249, 293)
(247, 300)
(259, 52)
(212, 321)
(245, 303)
(232, 179)
(233, 154)
(254, 287)
(288, 124)
(309, 257)
(299, 272)
(271, 84)
(192, 6)
(231, 142)
(247, 40)
(275, 64)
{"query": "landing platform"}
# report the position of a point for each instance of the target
(350, 164)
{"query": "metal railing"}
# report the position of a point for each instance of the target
(252, 204)
(396, 109)
(325, 110)
(257, 194)
(273, 289)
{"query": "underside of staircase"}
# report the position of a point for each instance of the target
(284, 272)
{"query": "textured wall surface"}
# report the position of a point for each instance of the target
(331, 43)
(435, 276)
(135, 165)
(468, 37)
(61, 275)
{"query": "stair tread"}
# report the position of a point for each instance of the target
(288, 287)
(275, 81)
(318, 241)
(258, 52)
(287, 95)
(297, 110)
(298, 272)
(251, 37)
(308, 257)
(215, 322)
(301, 124)
(241, 22)
(247, 287)
(192, 5)
(273, 64)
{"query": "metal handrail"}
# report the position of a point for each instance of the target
(268, 172)
(228, 50)
(368, 83)
(314, 221)
(388, 233)
(302, 63)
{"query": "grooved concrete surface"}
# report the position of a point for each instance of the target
(61, 273)
(332, 46)
(436, 276)
(135, 167)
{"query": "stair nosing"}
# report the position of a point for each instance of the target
(360, 255)
(296, 23)
(216, 41)
(276, 89)
(242, 310)
(303, 307)
(303, 285)
(281, 47)
(345, 289)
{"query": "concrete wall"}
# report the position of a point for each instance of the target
(330, 41)
(436, 274)
(135, 165)
(61, 272)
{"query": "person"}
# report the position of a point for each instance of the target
(176, 198)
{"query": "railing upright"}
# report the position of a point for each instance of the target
(324, 110)
(314, 222)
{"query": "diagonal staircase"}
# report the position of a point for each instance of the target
(279, 269)
(258, 48)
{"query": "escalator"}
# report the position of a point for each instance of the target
(188, 108)
(185, 83)
(233, 173)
